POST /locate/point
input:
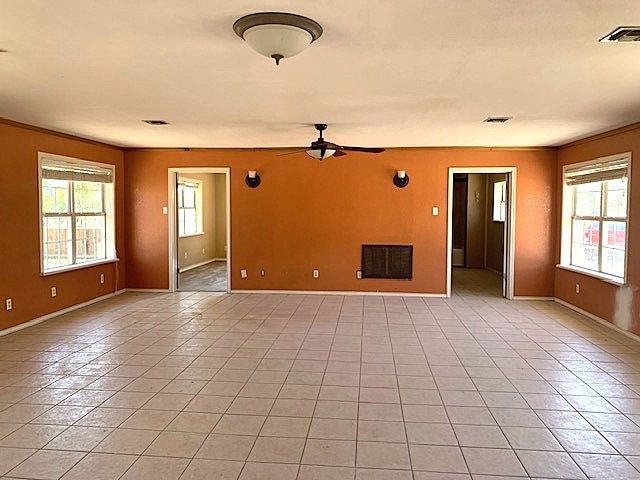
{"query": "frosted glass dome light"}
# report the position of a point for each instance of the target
(277, 35)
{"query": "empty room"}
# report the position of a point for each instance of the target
(340, 240)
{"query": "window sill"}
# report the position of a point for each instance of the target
(191, 235)
(590, 273)
(79, 266)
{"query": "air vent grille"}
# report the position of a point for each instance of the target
(156, 122)
(496, 119)
(387, 261)
(623, 34)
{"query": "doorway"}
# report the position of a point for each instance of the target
(199, 230)
(481, 233)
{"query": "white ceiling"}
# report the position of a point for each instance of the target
(384, 73)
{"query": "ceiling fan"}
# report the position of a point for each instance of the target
(322, 149)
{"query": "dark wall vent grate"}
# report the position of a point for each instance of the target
(387, 261)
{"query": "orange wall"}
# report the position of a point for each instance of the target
(20, 277)
(596, 296)
(309, 215)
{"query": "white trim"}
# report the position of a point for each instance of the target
(196, 265)
(57, 313)
(602, 321)
(78, 266)
(172, 215)
(617, 281)
(510, 231)
(525, 297)
(343, 293)
(219, 259)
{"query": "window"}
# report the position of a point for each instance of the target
(77, 212)
(499, 201)
(189, 207)
(594, 227)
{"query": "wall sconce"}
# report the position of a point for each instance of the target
(252, 179)
(401, 179)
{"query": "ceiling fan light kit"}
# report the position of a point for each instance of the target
(401, 179)
(277, 35)
(252, 179)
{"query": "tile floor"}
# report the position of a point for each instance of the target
(211, 277)
(309, 387)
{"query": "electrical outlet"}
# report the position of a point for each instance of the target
(243, 273)
(262, 272)
(577, 288)
(54, 291)
(203, 250)
(435, 211)
(8, 303)
(316, 273)
(359, 274)
(102, 278)
(186, 255)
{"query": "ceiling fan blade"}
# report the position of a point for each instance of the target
(292, 152)
(339, 153)
(363, 149)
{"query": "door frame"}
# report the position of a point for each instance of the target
(173, 215)
(510, 231)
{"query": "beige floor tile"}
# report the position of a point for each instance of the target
(549, 464)
(32, 436)
(126, 441)
(83, 439)
(194, 422)
(168, 401)
(22, 413)
(606, 466)
(106, 417)
(382, 474)
(480, 436)
(62, 415)
(201, 469)
(176, 444)
(293, 427)
(277, 450)
(382, 455)
(333, 429)
(239, 425)
(100, 466)
(523, 438)
(314, 472)
(149, 420)
(156, 468)
(250, 406)
(127, 400)
(267, 471)
(226, 447)
(583, 441)
(431, 433)
(330, 453)
(381, 431)
(46, 465)
(433, 458)
(209, 404)
(10, 457)
(336, 409)
(493, 461)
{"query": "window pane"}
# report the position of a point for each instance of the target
(584, 245)
(499, 201)
(56, 242)
(189, 197)
(87, 197)
(90, 238)
(588, 199)
(55, 196)
(615, 234)
(616, 198)
(613, 261)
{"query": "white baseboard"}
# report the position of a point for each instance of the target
(57, 313)
(602, 321)
(219, 259)
(196, 265)
(343, 293)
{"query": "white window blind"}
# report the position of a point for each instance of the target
(615, 169)
(75, 172)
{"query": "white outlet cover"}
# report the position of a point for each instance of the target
(434, 211)
(316, 273)
(243, 273)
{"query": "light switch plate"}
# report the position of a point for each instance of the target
(434, 211)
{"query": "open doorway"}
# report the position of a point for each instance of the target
(480, 234)
(199, 249)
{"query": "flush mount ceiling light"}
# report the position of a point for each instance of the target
(277, 35)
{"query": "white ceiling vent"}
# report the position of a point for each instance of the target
(623, 34)
(496, 119)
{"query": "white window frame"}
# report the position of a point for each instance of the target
(568, 215)
(197, 185)
(108, 202)
(500, 206)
